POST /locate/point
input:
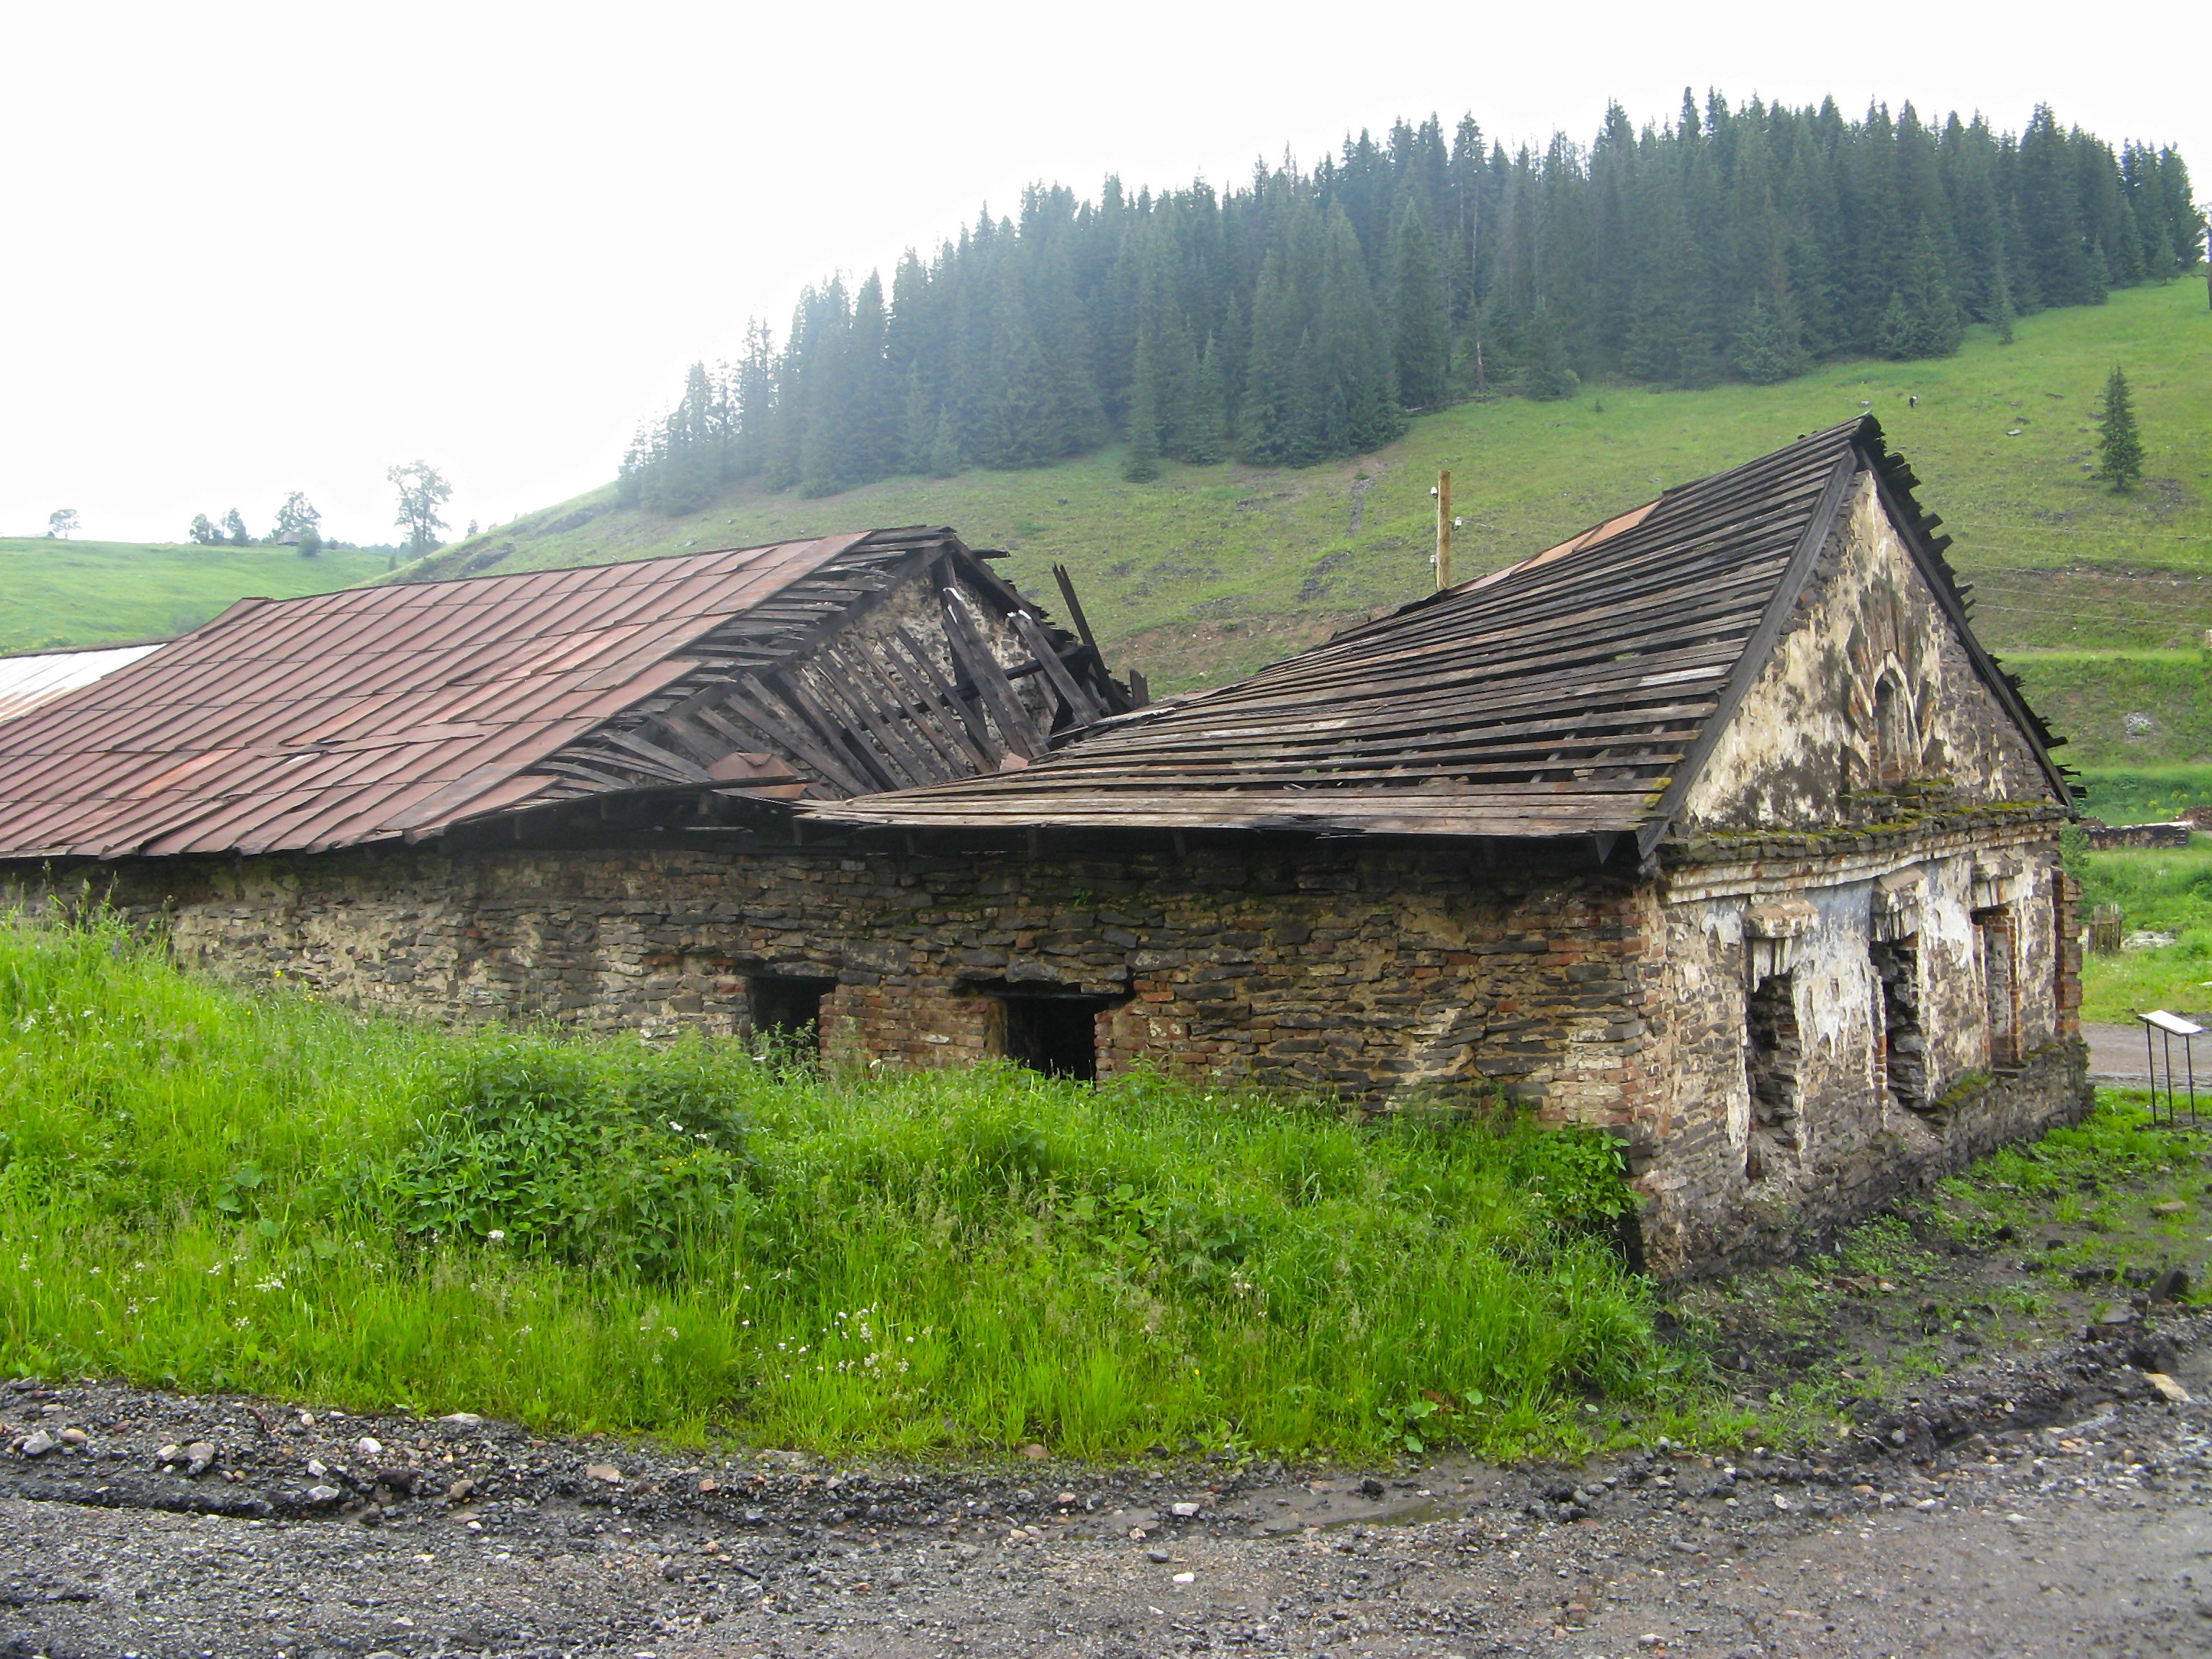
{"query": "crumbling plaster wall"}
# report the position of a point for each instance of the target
(1730, 923)
(1870, 688)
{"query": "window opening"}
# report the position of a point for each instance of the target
(789, 1009)
(1993, 929)
(1894, 761)
(1903, 1049)
(1772, 1054)
(1046, 1029)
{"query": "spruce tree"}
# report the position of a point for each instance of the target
(2119, 445)
(1763, 356)
(1548, 377)
(1205, 433)
(1423, 332)
(1144, 462)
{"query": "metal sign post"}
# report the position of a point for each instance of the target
(2160, 1030)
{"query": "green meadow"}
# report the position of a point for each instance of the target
(79, 592)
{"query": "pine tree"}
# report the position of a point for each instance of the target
(1205, 433)
(1764, 355)
(944, 457)
(1423, 332)
(1144, 462)
(2119, 445)
(1548, 377)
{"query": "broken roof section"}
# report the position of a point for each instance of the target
(1575, 693)
(808, 669)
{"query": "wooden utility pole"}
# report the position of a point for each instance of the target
(1443, 531)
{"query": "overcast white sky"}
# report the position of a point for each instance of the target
(265, 248)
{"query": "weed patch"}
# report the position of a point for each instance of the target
(205, 1189)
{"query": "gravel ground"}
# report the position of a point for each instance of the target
(2044, 1503)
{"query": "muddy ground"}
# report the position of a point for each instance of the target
(1989, 1456)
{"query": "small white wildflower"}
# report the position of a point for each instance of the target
(494, 1235)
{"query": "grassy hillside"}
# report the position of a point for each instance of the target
(71, 592)
(1210, 570)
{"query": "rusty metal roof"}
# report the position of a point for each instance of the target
(38, 677)
(1574, 693)
(369, 713)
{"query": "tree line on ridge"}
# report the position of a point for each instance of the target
(1303, 316)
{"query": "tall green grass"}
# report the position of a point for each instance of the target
(207, 1189)
(2167, 890)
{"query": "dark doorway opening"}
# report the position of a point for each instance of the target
(1771, 1055)
(789, 1009)
(1048, 1029)
(1903, 1049)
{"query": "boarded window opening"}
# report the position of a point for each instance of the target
(1772, 1054)
(789, 1009)
(1904, 1049)
(1993, 929)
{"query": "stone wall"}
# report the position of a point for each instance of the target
(1369, 970)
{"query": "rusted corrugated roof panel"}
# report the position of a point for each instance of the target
(33, 678)
(1569, 694)
(362, 714)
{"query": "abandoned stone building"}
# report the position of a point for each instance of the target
(1714, 827)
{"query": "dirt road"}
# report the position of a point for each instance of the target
(2052, 1502)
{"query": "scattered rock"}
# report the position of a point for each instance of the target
(75, 1436)
(1185, 1578)
(37, 1443)
(466, 1420)
(607, 1471)
(1185, 1510)
(199, 1458)
(2166, 1386)
(1371, 1487)
(464, 1489)
(322, 1497)
(369, 1449)
(1157, 1555)
(1034, 1453)
(2171, 1206)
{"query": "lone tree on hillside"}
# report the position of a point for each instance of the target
(422, 491)
(203, 533)
(2119, 446)
(60, 524)
(295, 519)
(233, 529)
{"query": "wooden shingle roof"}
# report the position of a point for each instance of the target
(1574, 693)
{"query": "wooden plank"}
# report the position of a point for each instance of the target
(666, 761)
(752, 700)
(920, 710)
(1016, 729)
(833, 681)
(833, 731)
(836, 673)
(965, 726)
(1082, 707)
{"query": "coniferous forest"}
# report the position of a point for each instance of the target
(1302, 316)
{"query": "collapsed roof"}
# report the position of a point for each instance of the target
(1577, 692)
(807, 669)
